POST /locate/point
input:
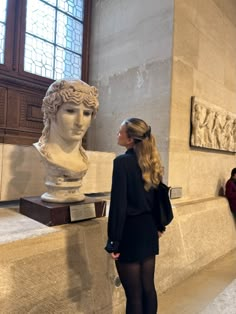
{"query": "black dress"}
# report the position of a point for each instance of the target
(139, 239)
(132, 230)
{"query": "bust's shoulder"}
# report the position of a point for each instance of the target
(37, 146)
(41, 151)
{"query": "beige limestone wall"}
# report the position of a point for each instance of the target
(130, 63)
(204, 65)
(201, 232)
(63, 272)
(22, 172)
(68, 271)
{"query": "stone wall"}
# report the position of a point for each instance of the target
(204, 65)
(137, 73)
(131, 59)
(201, 232)
(68, 270)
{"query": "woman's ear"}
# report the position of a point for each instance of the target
(130, 140)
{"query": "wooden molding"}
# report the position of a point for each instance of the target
(3, 101)
(21, 119)
(34, 113)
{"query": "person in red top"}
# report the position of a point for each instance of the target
(230, 191)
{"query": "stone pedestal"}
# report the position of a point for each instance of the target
(53, 214)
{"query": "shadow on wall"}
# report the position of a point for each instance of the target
(91, 272)
(78, 274)
(19, 177)
(22, 173)
(220, 189)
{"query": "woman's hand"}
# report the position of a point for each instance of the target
(115, 256)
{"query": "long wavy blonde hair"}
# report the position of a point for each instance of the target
(146, 151)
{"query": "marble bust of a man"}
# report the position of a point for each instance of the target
(68, 107)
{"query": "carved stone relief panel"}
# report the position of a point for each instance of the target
(212, 127)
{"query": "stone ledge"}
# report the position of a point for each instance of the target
(186, 202)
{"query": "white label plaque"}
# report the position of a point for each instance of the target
(81, 212)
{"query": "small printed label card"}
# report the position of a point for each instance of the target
(82, 212)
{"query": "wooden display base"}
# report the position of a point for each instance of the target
(53, 214)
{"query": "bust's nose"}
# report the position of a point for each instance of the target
(79, 118)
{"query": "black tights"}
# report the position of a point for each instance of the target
(138, 282)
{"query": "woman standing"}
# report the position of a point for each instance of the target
(132, 231)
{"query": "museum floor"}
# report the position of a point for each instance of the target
(210, 291)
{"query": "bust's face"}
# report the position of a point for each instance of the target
(72, 121)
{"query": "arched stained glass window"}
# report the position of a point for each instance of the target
(3, 11)
(44, 37)
(54, 38)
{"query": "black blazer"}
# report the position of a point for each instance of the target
(128, 196)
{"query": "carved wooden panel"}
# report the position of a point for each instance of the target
(12, 108)
(21, 119)
(31, 116)
(3, 101)
(34, 113)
